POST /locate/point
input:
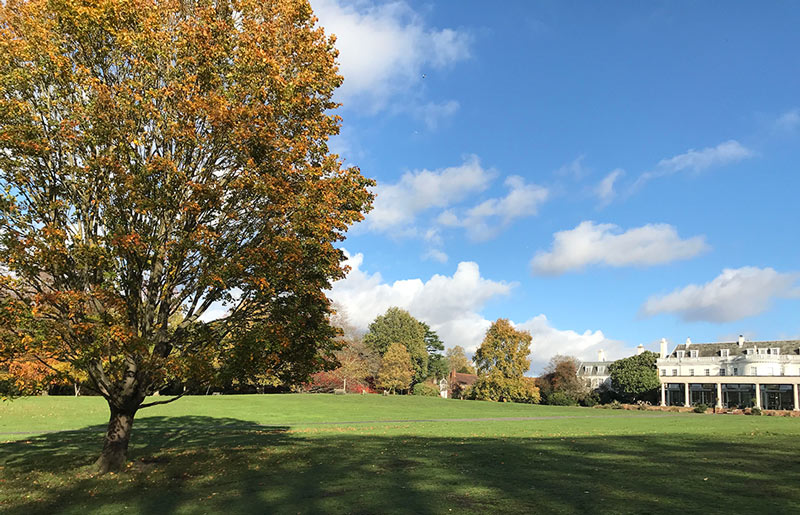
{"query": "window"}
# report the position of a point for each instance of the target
(588, 370)
(762, 351)
(748, 351)
(693, 353)
(663, 371)
(680, 354)
(691, 371)
(725, 353)
(601, 370)
(674, 371)
(776, 350)
(722, 371)
(708, 372)
(735, 371)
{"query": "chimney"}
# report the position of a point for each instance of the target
(688, 342)
(663, 347)
(601, 355)
(741, 340)
(639, 349)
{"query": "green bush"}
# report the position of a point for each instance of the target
(425, 389)
(700, 408)
(591, 400)
(560, 399)
(616, 405)
(755, 411)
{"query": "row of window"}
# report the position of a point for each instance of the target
(707, 371)
(694, 353)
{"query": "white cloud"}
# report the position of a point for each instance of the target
(384, 48)
(452, 306)
(399, 204)
(549, 341)
(574, 169)
(725, 153)
(735, 294)
(590, 243)
(436, 255)
(433, 113)
(484, 220)
(789, 120)
(605, 189)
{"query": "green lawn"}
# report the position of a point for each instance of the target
(374, 454)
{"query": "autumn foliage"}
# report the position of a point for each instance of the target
(502, 360)
(161, 159)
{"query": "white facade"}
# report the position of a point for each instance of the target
(762, 374)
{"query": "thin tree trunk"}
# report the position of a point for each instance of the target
(77, 387)
(344, 385)
(115, 445)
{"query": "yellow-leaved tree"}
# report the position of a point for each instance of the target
(397, 370)
(502, 360)
(163, 159)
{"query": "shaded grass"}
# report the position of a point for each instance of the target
(605, 464)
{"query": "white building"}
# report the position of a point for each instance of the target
(596, 373)
(732, 375)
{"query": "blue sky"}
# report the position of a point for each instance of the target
(602, 175)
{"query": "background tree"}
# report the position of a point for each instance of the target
(635, 378)
(357, 363)
(398, 326)
(397, 371)
(162, 157)
(438, 366)
(458, 361)
(561, 382)
(502, 360)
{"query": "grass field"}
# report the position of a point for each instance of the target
(374, 454)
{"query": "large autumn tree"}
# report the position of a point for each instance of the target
(502, 360)
(162, 159)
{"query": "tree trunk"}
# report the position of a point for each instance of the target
(115, 445)
(77, 387)
(344, 385)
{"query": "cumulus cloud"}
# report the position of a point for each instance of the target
(605, 189)
(735, 294)
(590, 243)
(725, 153)
(452, 306)
(487, 218)
(384, 48)
(399, 204)
(549, 341)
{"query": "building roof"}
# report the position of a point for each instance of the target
(709, 350)
(467, 379)
(593, 366)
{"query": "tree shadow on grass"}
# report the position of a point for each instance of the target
(210, 465)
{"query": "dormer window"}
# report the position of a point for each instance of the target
(680, 354)
(762, 351)
(725, 353)
(693, 353)
(776, 350)
(748, 351)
